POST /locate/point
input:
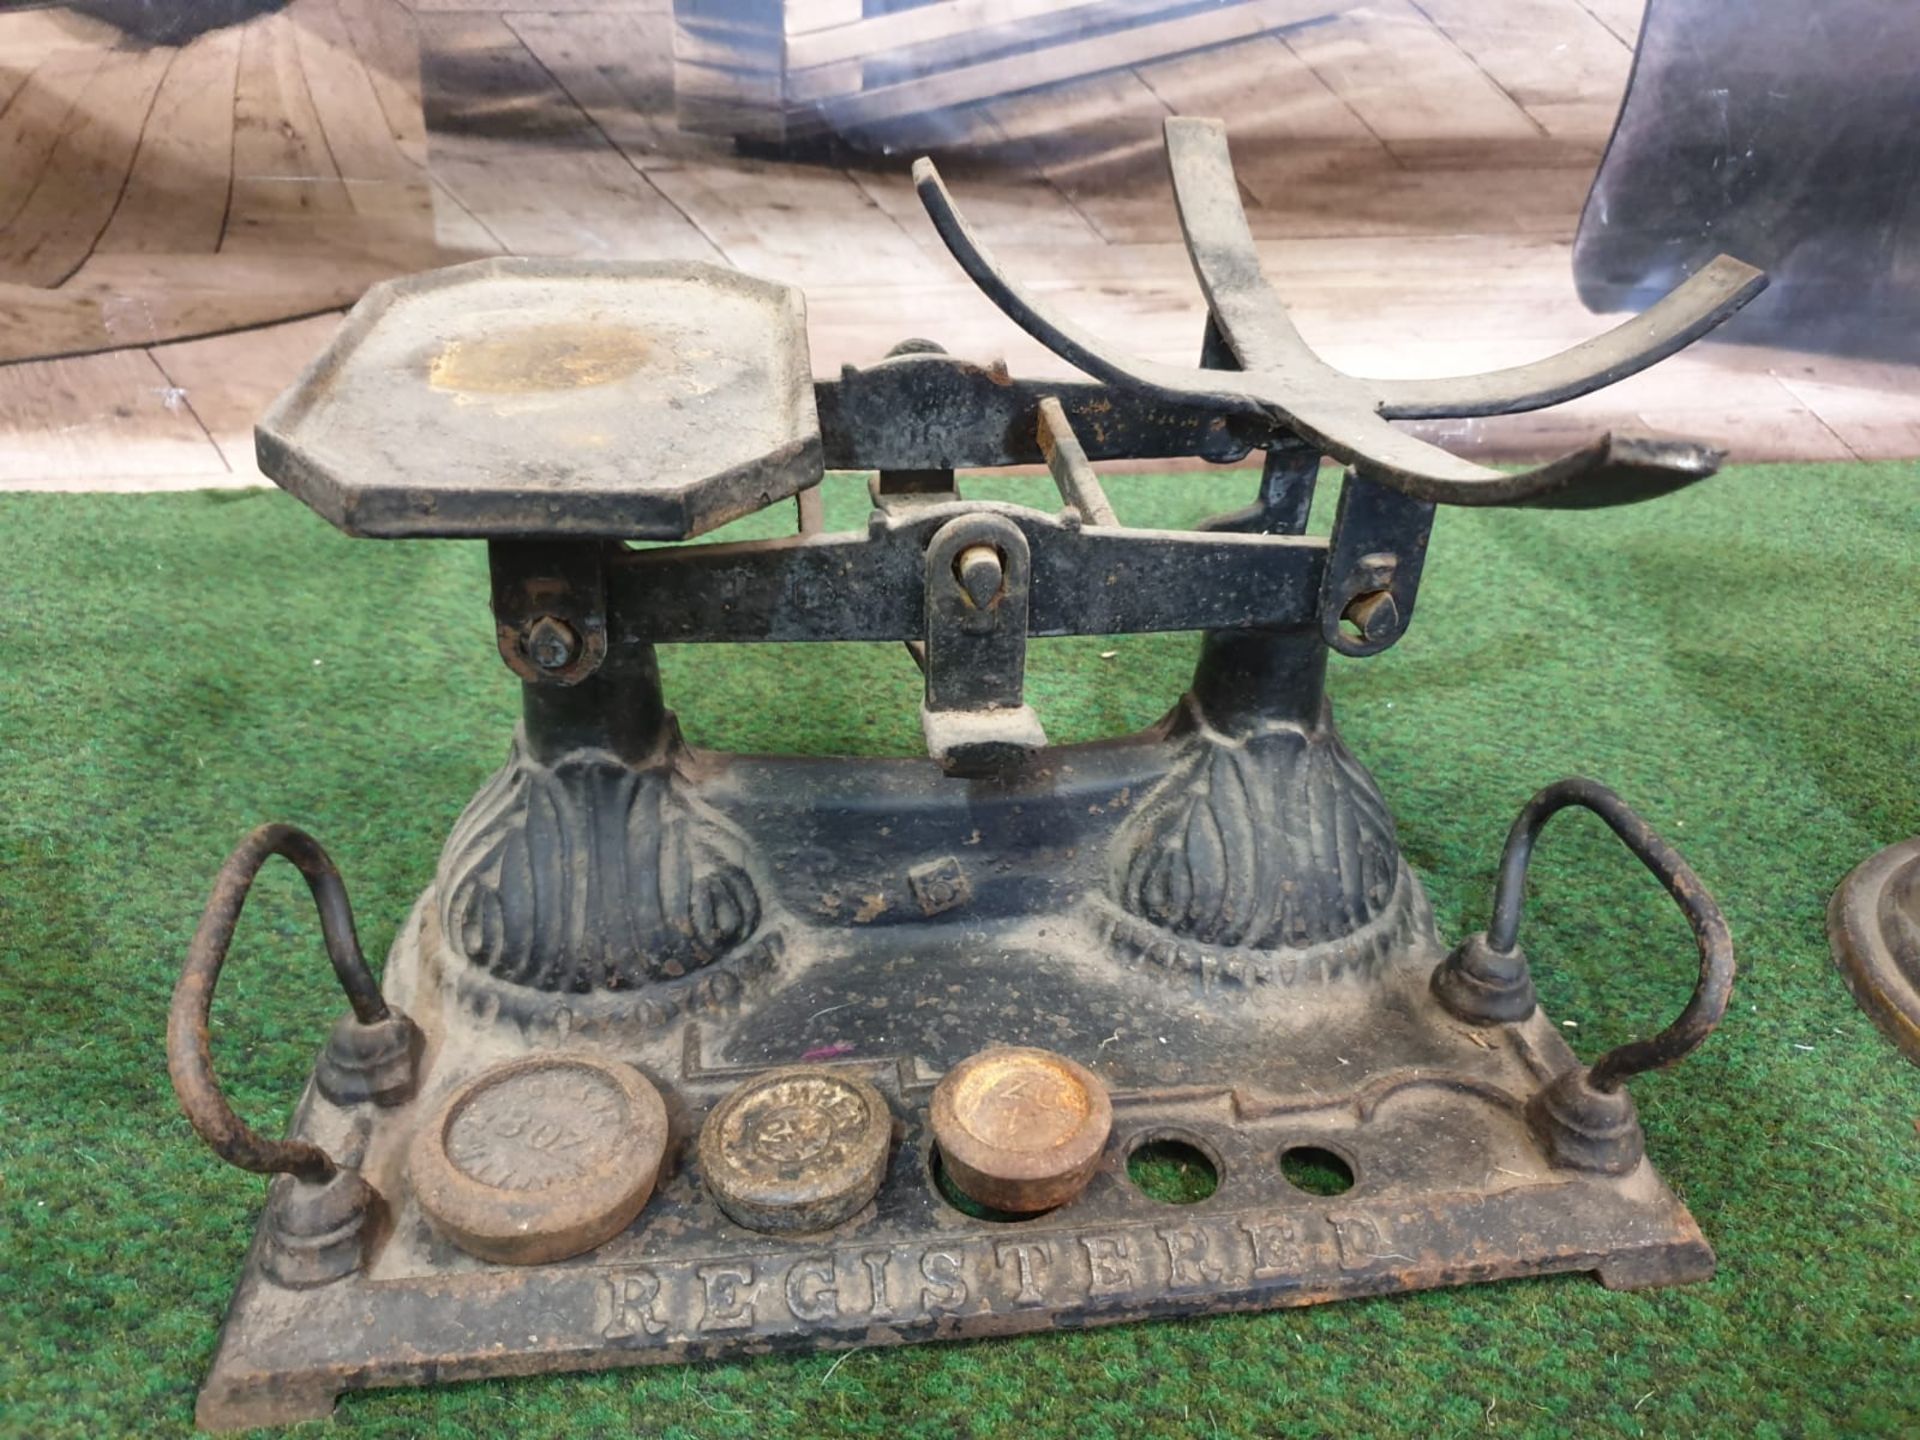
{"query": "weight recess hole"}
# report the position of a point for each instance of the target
(964, 1203)
(1173, 1171)
(1316, 1171)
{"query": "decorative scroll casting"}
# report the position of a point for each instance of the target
(591, 875)
(1272, 857)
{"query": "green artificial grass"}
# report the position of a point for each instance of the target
(1173, 1172)
(1738, 661)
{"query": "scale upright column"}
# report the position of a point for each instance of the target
(618, 708)
(1249, 678)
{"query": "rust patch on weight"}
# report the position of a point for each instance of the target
(1019, 1129)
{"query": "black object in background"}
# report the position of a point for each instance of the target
(1787, 134)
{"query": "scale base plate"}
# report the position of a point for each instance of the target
(1450, 1184)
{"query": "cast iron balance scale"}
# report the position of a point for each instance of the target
(685, 1054)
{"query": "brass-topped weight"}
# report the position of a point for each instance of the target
(1020, 1130)
(797, 1149)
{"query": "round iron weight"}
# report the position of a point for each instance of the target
(796, 1149)
(540, 1159)
(1020, 1130)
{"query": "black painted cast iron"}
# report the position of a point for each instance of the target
(1208, 926)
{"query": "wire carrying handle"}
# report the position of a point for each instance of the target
(189, 1046)
(1708, 1003)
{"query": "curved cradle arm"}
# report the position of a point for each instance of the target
(1284, 385)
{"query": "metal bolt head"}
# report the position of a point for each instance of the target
(1374, 613)
(980, 573)
(552, 643)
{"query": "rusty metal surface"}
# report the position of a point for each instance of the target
(1451, 1183)
(940, 918)
(704, 1046)
(189, 1043)
(1707, 1005)
(1873, 926)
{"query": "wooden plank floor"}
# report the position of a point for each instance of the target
(180, 227)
